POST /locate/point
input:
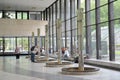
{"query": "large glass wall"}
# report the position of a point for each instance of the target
(98, 26)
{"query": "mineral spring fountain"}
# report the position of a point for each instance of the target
(59, 62)
(80, 69)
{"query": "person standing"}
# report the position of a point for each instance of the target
(34, 50)
(17, 52)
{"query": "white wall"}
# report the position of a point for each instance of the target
(15, 27)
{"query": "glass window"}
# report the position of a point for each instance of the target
(62, 10)
(42, 42)
(117, 9)
(9, 14)
(69, 40)
(68, 26)
(23, 44)
(104, 52)
(104, 13)
(74, 43)
(1, 14)
(10, 44)
(1, 45)
(102, 2)
(73, 8)
(117, 39)
(67, 9)
(74, 23)
(83, 4)
(58, 9)
(63, 39)
(92, 4)
(19, 15)
(93, 44)
(54, 14)
(92, 13)
(25, 16)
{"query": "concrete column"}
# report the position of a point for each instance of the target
(59, 40)
(47, 41)
(38, 41)
(80, 38)
(33, 39)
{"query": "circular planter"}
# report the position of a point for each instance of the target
(76, 71)
(43, 59)
(56, 64)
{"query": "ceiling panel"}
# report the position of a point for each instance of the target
(25, 5)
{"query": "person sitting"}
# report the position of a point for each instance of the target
(66, 54)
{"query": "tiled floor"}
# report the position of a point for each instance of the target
(23, 69)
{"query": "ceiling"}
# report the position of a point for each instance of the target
(25, 5)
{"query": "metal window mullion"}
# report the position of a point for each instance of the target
(41, 15)
(46, 14)
(60, 15)
(3, 14)
(98, 29)
(111, 31)
(78, 4)
(28, 45)
(71, 50)
(3, 45)
(28, 15)
(22, 15)
(16, 42)
(15, 14)
(55, 23)
(52, 29)
(49, 27)
(65, 23)
(88, 28)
